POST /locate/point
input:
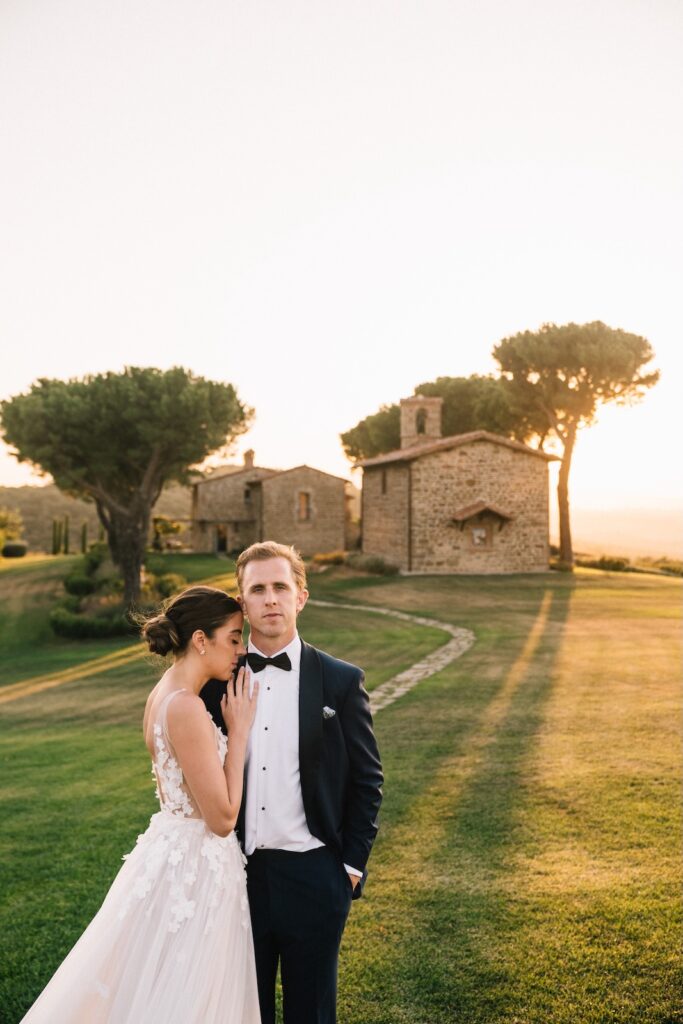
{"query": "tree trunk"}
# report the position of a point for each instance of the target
(566, 550)
(127, 536)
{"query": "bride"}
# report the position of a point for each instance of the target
(172, 941)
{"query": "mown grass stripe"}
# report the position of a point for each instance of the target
(37, 684)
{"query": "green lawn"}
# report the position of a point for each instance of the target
(527, 866)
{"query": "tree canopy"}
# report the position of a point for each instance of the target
(562, 375)
(469, 403)
(377, 433)
(118, 438)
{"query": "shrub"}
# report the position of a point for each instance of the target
(557, 566)
(78, 627)
(94, 557)
(606, 562)
(374, 564)
(170, 583)
(673, 566)
(79, 584)
(14, 549)
(11, 526)
(329, 558)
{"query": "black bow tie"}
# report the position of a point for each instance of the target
(257, 662)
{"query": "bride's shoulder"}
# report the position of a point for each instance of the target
(187, 713)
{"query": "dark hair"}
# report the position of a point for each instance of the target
(204, 608)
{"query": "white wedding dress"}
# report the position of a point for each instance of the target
(172, 941)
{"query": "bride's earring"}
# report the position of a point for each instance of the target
(203, 651)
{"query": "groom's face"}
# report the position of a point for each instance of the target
(271, 600)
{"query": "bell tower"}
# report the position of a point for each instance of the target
(420, 420)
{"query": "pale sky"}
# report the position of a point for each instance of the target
(328, 203)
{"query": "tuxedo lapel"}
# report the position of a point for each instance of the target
(241, 814)
(310, 721)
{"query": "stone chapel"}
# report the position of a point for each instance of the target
(471, 503)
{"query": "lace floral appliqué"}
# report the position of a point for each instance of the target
(179, 851)
(169, 776)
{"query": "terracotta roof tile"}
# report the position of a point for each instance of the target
(456, 441)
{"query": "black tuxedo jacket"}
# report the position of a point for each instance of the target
(341, 774)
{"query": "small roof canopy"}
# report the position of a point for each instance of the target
(478, 508)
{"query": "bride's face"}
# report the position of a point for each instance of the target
(225, 647)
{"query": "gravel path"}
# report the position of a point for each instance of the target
(385, 694)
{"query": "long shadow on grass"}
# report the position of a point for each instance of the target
(429, 961)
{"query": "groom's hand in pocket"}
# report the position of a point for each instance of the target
(354, 879)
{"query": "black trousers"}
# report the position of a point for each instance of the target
(299, 904)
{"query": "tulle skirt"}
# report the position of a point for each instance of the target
(171, 943)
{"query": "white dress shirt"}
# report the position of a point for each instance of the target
(275, 817)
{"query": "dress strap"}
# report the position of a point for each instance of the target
(161, 717)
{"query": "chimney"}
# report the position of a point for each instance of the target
(249, 459)
(420, 420)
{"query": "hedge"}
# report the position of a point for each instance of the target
(79, 584)
(14, 549)
(76, 627)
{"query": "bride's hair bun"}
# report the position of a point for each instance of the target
(204, 608)
(161, 635)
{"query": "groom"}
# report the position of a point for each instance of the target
(312, 791)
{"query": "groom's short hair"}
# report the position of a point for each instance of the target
(265, 549)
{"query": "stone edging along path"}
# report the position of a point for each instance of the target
(385, 694)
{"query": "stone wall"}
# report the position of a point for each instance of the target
(324, 529)
(384, 525)
(514, 481)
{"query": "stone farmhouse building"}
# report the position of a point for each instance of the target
(238, 505)
(471, 503)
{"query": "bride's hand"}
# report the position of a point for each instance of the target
(237, 706)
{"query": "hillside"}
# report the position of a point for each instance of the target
(40, 505)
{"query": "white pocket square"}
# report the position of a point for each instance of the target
(328, 712)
